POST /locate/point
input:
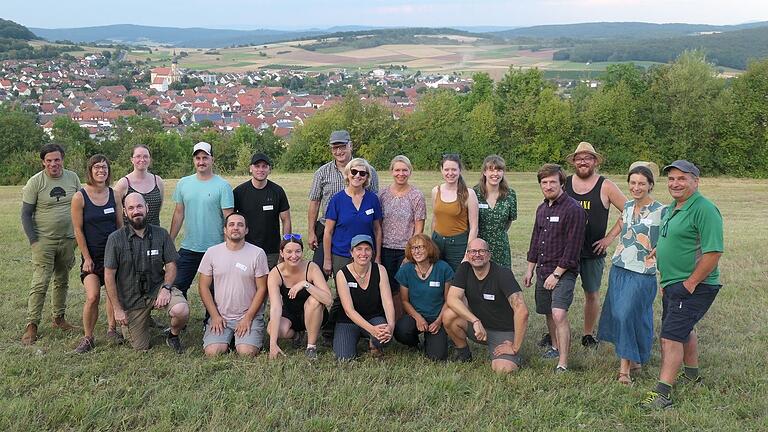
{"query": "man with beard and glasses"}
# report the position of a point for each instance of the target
(596, 194)
(139, 269)
(236, 309)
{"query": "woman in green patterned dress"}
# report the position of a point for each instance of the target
(498, 208)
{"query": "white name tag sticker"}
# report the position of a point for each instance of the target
(646, 221)
(369, 212)
(352, 284)
(242, 267)
(109, 210)
(434, 284)
(490, 297)
(554, 219)
(153, 252)
(483, 205)
(268, 207)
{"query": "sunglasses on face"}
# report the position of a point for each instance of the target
(355, 172)
(291, 236)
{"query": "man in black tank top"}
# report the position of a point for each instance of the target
(595, 193)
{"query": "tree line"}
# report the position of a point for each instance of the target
(667, 112)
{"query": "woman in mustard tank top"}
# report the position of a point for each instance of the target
(454, 212)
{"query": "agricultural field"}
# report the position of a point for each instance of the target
(47, 387)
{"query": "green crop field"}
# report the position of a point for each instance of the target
(48, 387)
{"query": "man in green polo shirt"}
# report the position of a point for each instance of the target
(47, 222)
(688, 251)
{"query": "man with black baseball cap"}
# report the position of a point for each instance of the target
(688, 251)
(265, 206)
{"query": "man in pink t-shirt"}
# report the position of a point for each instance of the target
(236, 309)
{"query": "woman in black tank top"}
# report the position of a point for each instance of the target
(140, 180)
(298, 296)
(366, 299)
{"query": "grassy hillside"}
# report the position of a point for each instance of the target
(612, 30)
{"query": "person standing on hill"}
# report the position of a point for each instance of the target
(264, 204)
(596, 194)
(688, 252)
(203, 200)
(140, 180)
(46, 219)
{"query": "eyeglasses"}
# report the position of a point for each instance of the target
(104, 168)
(477, 251)
(291, 236)
(418, 247)
(355, 172)
(338, 148)
(584, 159)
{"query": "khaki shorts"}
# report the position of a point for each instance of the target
(137, 330)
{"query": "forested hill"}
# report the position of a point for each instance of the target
(620, 30)
(12, 30)
(409, 35)
(731, 49)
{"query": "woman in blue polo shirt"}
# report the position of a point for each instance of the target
(352, 211)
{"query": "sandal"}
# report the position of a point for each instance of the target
(624, 379)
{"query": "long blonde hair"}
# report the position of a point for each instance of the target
(462, 193)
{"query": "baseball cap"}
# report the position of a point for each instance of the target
(684, 166)
(257, 157)
(204, 146)
(360, 238)
(339, 137)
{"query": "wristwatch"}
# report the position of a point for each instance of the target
(169, 287)
(306, 285)
(557, 276)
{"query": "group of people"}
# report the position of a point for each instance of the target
(391, 279)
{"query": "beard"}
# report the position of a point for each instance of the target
(585, 175)
(138, 222)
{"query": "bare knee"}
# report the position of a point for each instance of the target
(247, 350)
(504, 366)
(559, 316)
(213, 350)
(312, 305)
(180, 310)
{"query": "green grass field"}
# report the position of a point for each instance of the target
(47, 387)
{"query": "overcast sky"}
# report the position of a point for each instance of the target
(292, 14)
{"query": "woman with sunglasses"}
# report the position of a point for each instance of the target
(95, 215)
(298, 296)
(454, 212)
(352, 211)
(366, 300)
(627, 316)
(404, 211)
(424, 281)
(497, 205)
(140, 180)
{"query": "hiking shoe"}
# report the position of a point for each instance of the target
(551, 353)
(545, 341)
(297, 339)
(174, 342)
(376, 353)
(655, 401)
(30, 334)
(463, 355)
(589, 341)
(683, 379)
(62, 324)
(311, 353)
(115, 337)
(560, 369)
(86, 344)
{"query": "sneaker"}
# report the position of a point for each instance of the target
(115, 337)
(560, 369)
(463, 355)
(86, 344)
(655, 401)
(589, 341)
(311, 353)
(545, 341)
(174, 342)
(297, 341)
(683, 379)
(62, 324)
(30, 334)
(551, 353)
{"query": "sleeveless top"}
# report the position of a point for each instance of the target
(450, 218)
(597, 215)
(367, 302)
(98, 223)
(294, 306)
(154, 201)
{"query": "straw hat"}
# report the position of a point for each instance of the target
(585, 147)
(650, 165)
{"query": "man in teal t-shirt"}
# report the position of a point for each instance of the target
(203, 200)
(689, 248)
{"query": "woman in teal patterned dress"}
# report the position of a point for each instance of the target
(498, 208)
(627, 316)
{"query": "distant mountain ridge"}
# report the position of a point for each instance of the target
(629, 30)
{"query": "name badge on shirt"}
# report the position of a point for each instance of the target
(483, 205)
(434, 284)
(153, 252)
(352, 284)
(109, 210)
(268, 207)
(489, 297)
(554, 219)
(646, 221)
(369, 212)
(242, 267)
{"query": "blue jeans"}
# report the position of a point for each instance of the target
(186, 269)
(347, 334)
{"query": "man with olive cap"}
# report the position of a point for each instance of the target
(687, 254)
(264, 205)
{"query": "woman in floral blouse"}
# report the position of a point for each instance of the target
(498, 208)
